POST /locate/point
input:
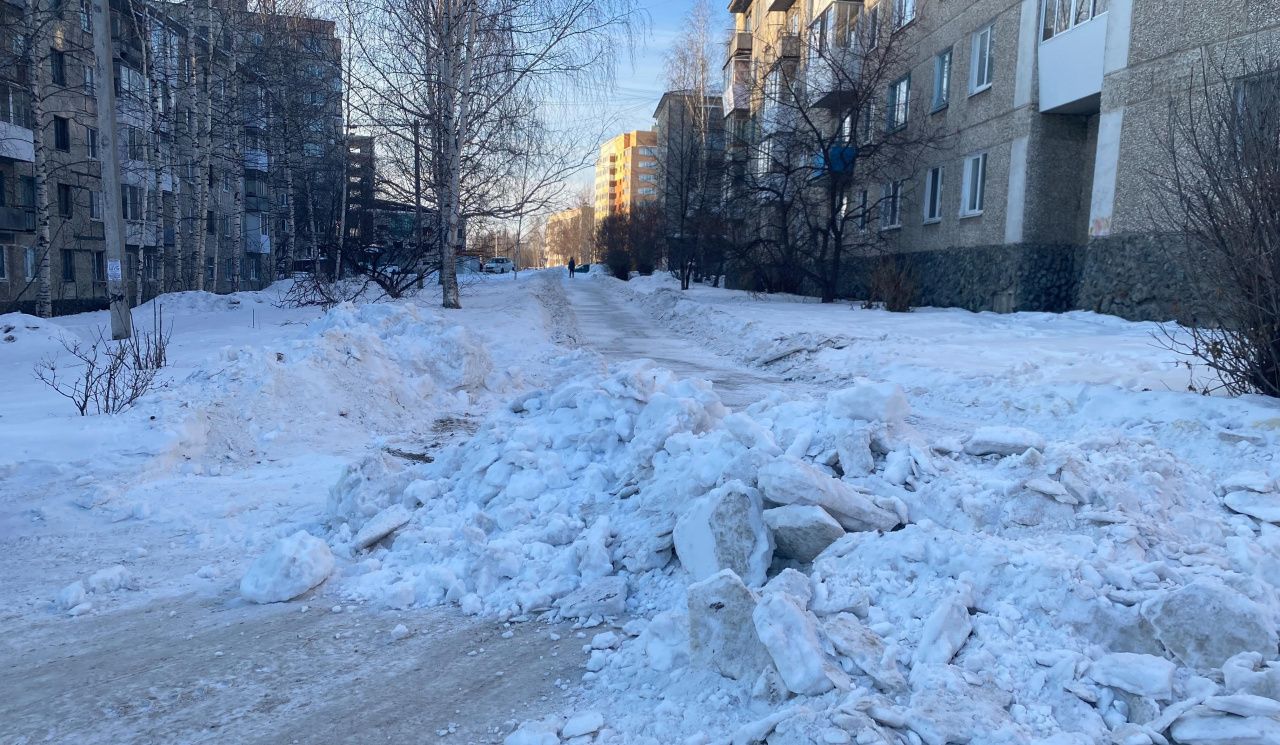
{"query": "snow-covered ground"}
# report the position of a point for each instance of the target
(794, 523)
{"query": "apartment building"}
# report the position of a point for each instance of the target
(162, 54)
(626, 173)
(691, 150)
(1036, 195)
(570, 234)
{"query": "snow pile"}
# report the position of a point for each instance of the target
(817, 569)
(355, 370)
(28, 338)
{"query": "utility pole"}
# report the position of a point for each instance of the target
(109, 149)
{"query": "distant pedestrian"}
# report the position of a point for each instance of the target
(572, 265)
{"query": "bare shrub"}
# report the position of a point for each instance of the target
(107, 377)
(892, 284)
(1222, 183)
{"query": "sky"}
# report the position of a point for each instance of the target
(641, 78)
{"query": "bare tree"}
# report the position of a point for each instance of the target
(473, 73)
(1221, 178)
(837, 148)
(692, 144)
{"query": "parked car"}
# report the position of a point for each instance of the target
(499, 265)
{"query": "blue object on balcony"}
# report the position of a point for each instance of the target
(836, 159)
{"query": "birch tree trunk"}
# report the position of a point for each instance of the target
(288, 228)
(33, 41)
(203, 147)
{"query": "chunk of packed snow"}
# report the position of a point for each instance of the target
(792, 481)
(722, 632)
(382, 525)
(865, 648)
(1262, 506)
(1244, 705)
(71, 595)
(532, 734)
(1239, 624)
(1003, 441)
(793, 584)
(790, 634)
(801, 531)
(725, 530)
(871, 402)
(1204, 726)
(604, 597)
(1254, 481)
(289, 568)
(1139, 674)
(112, 578)
(1246, 673)
(945, 631)
(585, 723)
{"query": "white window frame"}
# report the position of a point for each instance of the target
(891, 206)
(95, 206)
(943, 62)
(91, 142)
(863, 203)
(904, 12)
(932, 206)
(29, 263)
(981, 72)
(873, 27)
(973, 185)
(90, 80)
(899, 104)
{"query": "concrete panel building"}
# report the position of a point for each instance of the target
(626, 173)
(1037, 196)
(263, 173)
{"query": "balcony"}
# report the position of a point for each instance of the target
(17, 142)
(255, 160)
(831, 80)
(788, 46)
(1071, 68)
(778, 6)
(19, 219)
(739, 6)
(740, 44)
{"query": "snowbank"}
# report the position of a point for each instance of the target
(1064, 591)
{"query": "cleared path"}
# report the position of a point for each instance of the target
(619, 332)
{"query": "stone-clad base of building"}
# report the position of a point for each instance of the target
(1138, 277)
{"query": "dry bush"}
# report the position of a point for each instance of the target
(107, 377)
(1222, 189)
(892, 285)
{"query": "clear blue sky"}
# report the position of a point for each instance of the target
(641, 79)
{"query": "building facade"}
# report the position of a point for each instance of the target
(212, 192)
(691, 151)
(626, 173)
(1036, 193)
(570, 234)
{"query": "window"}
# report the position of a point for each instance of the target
(862, 211)
(210, 221)
(64, 200)
(3, 197)
(129, 82)
(208, 269)
(99, 266)
(891, 206)
(226, 225)
(68, 266)
(58, 67)
(868, 116)
(26, 191)
(90, 80)
(873, 27)
(131, 202)
(253, 268)
(4, 270)
(91, 140)
(933, 195)
(150, 266)
(942, 80)
(1058, 16)
(899, 104)
(95, 205)
(973, 192)
(904, 12)
(86, 22)
(136, 140)
(62, 133)
(29, 265)
(980, 61)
